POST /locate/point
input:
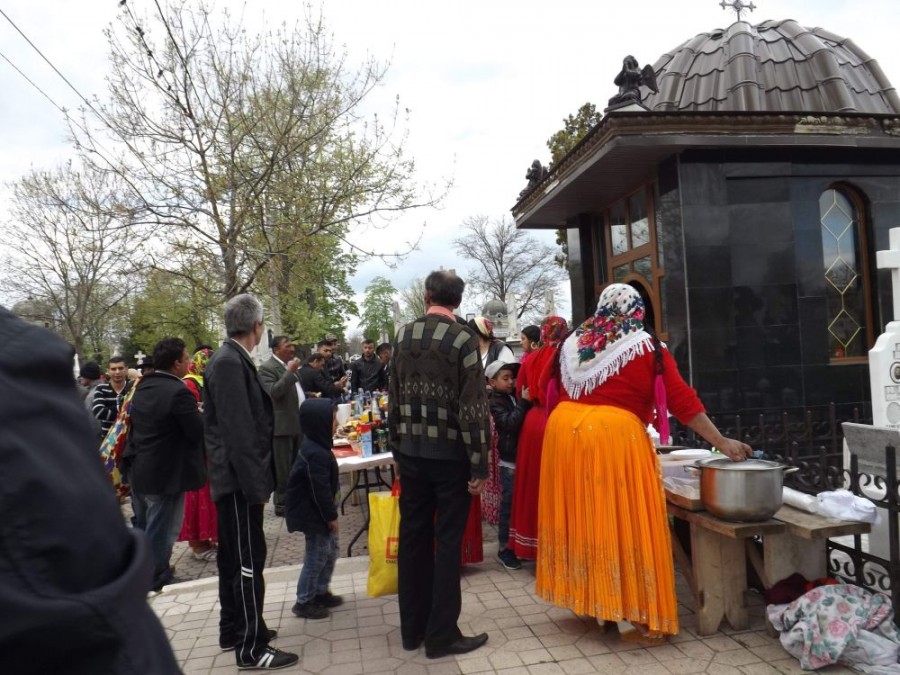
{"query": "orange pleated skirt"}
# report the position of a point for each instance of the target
(605, 548)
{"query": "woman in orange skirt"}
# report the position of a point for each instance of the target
(605, 548)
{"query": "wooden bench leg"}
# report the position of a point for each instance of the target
(785, 554)
(720, 572)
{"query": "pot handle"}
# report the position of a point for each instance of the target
(790, 469)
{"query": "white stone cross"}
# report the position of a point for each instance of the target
(140, 356)
(884, 357)
(890, 259)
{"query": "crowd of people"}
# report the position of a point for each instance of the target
(552, 447)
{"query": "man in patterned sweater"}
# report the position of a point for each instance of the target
(439, 431)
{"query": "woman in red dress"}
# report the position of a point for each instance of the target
(199, 527)
(523, 539)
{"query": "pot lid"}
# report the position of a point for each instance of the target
(747, 465)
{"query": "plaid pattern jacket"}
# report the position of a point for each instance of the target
(437, 404)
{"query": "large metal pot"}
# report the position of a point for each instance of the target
(747, 491)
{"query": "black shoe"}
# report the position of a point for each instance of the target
(271, 659)
(509, 559)
(413, 644)
(328, 599)
(227, 646)
(310, 610)
(463, 645)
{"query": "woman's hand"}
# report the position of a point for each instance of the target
(734, 449)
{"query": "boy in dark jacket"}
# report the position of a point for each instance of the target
(311, 508)
(508, 416)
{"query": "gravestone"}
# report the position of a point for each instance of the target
(884, 378)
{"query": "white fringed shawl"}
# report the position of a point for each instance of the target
(582, 378)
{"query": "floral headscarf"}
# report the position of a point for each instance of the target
(620, 312)
(199, 361)
(483, 326)
(553, 328)
(606, 341)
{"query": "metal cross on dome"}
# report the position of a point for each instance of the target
(738, 6)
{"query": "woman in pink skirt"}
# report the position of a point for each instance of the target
(199, 527)
(523, 539)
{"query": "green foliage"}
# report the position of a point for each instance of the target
(171, 306)
(313, 290)
(377, 317)
(575, 127)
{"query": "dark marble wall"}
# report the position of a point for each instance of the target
(745, 291)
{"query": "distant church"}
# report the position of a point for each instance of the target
(745, 200)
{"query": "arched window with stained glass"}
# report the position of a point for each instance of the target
(846, 270)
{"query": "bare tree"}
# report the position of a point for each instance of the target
(507, 260)
(242, 148)
(413, 300)
(70, 251)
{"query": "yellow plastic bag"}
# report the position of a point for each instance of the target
(384, 538)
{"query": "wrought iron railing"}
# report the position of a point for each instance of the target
(852, 562)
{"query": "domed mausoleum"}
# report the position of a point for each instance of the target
(745, 198)
(498, 313)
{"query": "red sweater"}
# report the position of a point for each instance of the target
(632, 389)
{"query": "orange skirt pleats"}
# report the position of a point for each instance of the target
(605, 548)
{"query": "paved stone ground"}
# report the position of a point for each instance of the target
(527, 635)
(285, 548)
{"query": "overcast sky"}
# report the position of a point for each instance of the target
(487, 82)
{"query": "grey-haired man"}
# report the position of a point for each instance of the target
(238, 426)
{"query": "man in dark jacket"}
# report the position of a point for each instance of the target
(367, 372)
(73, 578)
(315, 380)
(311, 508)
(279, 376)
(335, 370)
(238, 424)
(438, 429)
(164, 455)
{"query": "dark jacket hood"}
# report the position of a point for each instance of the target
(316, 415)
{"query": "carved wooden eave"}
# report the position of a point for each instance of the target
(624, 149)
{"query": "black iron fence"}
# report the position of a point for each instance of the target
(852, 562)
(812, 439)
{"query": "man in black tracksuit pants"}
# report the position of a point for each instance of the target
(238, 427)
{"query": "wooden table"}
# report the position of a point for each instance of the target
(716, 571)
(802, 546)
(792, 541)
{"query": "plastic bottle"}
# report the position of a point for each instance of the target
(358, 408)
(365, 436)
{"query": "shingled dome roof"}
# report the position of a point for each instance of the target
(776, 66)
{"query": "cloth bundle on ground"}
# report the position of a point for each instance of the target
(789, 589)
(840, 623)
